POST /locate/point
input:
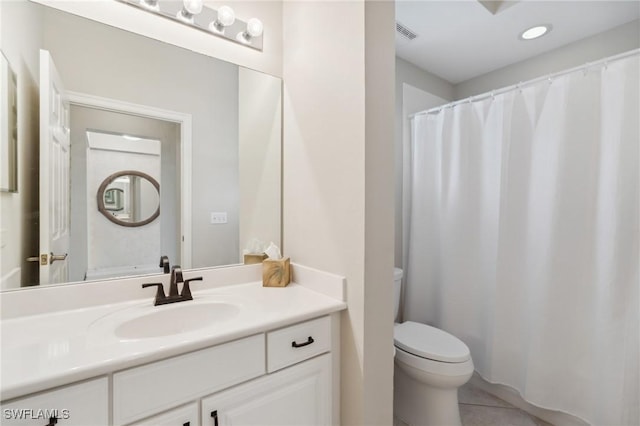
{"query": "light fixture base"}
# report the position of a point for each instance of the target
(172, 9)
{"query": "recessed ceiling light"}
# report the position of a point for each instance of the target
(535, 32)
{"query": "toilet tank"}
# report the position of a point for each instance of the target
(397, 288)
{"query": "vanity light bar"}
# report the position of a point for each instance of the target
(219, 23)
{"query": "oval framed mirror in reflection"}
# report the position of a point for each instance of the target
(129, 198)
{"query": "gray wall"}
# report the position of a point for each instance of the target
(338, 180)
(408, 74)
(168, 134)
(101, 60)
(617, 40)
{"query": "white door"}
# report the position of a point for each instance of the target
(54, 174)
(296, 396)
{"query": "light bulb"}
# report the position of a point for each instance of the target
(193, 6)
(189, 9)
(150, 5)
(255, 27)
(226, 17)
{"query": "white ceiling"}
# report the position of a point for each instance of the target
(461, 39)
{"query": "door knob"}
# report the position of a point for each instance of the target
(46, 259)
(43, 259)
(54, 257)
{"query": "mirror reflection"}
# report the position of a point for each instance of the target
(8, 127)
(113, 199)
(129, 198)
(218, 130)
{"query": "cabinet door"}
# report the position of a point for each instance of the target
(296, 396)
(84, 404)
(183, 416)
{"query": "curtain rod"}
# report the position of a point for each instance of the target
(520, 85)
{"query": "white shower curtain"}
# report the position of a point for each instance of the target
(523, 238)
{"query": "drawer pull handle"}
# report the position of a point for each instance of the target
(214, 414)
(299, 345)
(52, 421)
(186, 424)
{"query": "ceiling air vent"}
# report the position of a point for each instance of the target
(405, 32)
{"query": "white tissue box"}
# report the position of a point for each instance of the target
(250, 259)
(276, 273)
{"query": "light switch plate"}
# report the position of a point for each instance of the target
(218, 218)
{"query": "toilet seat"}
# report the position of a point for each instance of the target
(430, 343)
(434, 368)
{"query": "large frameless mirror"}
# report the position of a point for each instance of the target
(101, 92)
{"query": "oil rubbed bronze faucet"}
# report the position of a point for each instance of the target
(164, 264)
(174, 296)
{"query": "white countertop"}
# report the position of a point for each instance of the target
(57, 348)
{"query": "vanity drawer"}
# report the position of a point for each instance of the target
(143, 391)
(81, 404)
(183, 416)
(293, 344)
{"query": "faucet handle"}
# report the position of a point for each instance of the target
(176, 272)
(176, 277)
(159, 293)
(186, 291)
(164, 263)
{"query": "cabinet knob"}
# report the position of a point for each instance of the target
(299, 345)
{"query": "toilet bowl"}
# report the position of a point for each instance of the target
(430, 366)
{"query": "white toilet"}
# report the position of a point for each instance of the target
(431, 365)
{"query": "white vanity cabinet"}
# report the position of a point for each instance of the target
(81, 404)
(297, 396)
(297, 391)
(279, 377)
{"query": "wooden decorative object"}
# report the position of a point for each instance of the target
(250, 259)
(276, 273)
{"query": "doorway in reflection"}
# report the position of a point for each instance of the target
(105, 145)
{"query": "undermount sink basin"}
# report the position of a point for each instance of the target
(182, 317)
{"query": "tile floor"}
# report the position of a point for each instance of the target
(480, 408)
